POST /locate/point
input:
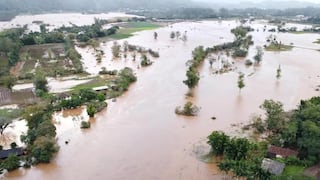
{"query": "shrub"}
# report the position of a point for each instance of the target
(11, 163)
(43, 149)
(13, 145)
(85, 125)
(248, 62)
(218, 142)
(91, 110)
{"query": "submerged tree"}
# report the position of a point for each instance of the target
(172, 35)
(259, 54)
(279, 72)
(192, 78)
(116, 50)
(155, 35)
(241, 81)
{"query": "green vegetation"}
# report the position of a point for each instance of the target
(317, 41)
(83, 96)
(40, 83)
(189, 109)
(240, 156)
(145, 61)
(115, 49)
(91, 110)
(278, 76)
(11, 163)
(40, 138)
(198, 56)
(278, 47)
(258, 56)
(240, 46)
(297, 129)
(241, 81)
(85, 125)
(130, 28)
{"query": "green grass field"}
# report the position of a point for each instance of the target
(128, 29)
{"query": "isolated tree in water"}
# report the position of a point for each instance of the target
(115, 50)
(279, 72)
(241, 81)
(155, 35)
(192, 78)
(172, 35)
(258, 56)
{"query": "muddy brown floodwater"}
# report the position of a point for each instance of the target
(139, 137)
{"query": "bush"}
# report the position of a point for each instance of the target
(11, 163)
(248, 62)
(85, 125)
(13, 145)
(218, 142)
(43, 149)
(91, 110)
(189, 109)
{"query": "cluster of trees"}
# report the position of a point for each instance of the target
(198, 56)
(87, 32)
(240, 156)
(189, 109)
(84, 96)
(298, 129)
(10, 45)
(40, 138)
(240, 46)
(122, 82)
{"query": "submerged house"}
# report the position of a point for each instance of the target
(15, 151)
(274, 151)
(273, 167)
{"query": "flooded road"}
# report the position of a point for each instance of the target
(139, 137)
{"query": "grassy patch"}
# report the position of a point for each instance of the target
(294, 173)
(317, 41)
(273, 47)
(96, 82)
(10, 113)
(128, 29)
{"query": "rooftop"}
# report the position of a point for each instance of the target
(5, 153)
(284, 152)
(272, 166)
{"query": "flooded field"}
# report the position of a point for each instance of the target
(57, 20)
(140, 137)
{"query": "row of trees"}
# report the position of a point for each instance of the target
(198, 56)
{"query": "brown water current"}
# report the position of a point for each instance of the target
(139, 137)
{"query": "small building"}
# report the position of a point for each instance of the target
(274, 151)
(63, 96)
(16, 151)
(101, 89)
(273, 167)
